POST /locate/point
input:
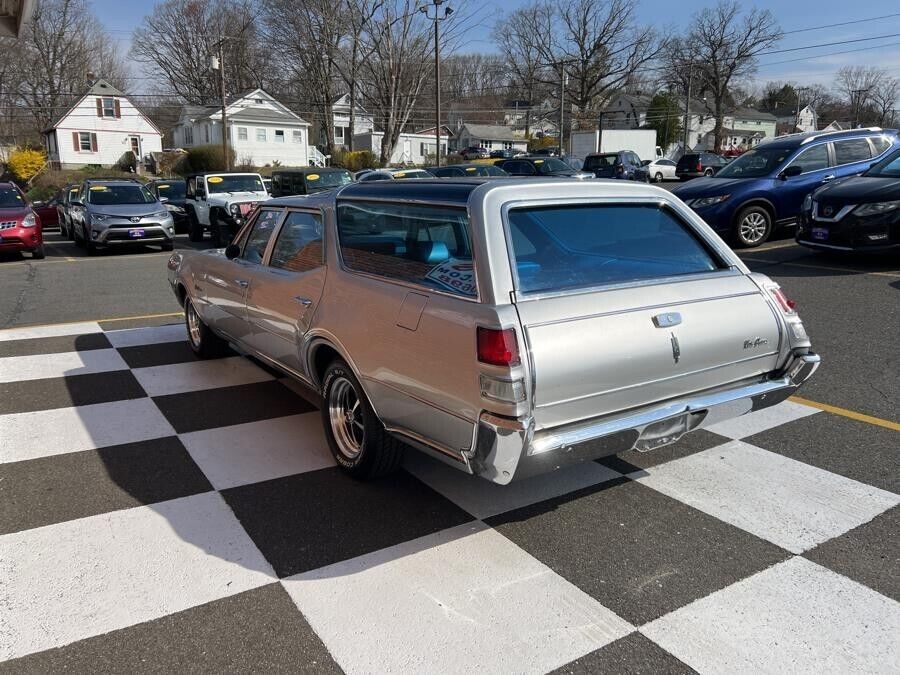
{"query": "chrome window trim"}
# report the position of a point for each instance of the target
(287, 211)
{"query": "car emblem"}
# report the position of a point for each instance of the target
(676, 348)
(827, 211)
(135, 219)
(755, 342)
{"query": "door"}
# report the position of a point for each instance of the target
(197, 193)
(226, 282)
(816, 170)
(284, 292)
(136, 148)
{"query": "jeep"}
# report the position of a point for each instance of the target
(220, 203)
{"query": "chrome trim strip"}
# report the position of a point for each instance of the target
(456, 455)
(840, 214)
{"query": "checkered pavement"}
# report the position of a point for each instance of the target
(163, 513)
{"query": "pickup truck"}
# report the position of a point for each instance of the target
(506, 327)
(220, 203)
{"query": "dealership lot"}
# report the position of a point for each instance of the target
(156, 508)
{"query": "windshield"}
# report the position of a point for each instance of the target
(235, 183)
(171, 190)
(10, 197)
(600, 161)
(328, 179)
(119, 194)
(889, 167)
(756, 163)
(551, 165)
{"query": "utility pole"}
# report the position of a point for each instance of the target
(687, 108)
(218, 62)
(437, 18)
(562, 102)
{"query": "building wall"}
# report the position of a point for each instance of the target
(410, 148)
(465, 140)
(250, 150)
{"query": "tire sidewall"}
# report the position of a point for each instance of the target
(359, 464)
(737, 227)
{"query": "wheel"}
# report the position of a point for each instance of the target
(708, 172)
(90, 246)
(219, 231)
(195, 229)
(79, 241)
(753, 226)
(203, 342)
(658, 178)
(357, 438)
(38, 253)
(168, 246)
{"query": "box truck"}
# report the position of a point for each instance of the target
(640, 141)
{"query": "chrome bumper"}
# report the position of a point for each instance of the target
(508, 449)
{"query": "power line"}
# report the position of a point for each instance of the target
(842, 23)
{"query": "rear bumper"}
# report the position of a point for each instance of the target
(508, 449)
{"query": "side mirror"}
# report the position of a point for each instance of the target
(75, 203)
(163, 200)
(37, 204)
(232, 251)
(791, 171)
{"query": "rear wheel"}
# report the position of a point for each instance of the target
(203, 342)
(658, 177)
(195, 229)
(357, 439)
(708, 172)
(752, 226)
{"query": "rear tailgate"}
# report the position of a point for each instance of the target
(599, 353)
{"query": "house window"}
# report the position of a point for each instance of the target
(242, 133)
(109, 107)
(279, 135)
(260, 135)
(298, 136)
(339, 134)
(188, 136)
(84, 141)
(507, 145)
(487, 144)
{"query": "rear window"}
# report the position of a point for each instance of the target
(599, 161)
(579, 246)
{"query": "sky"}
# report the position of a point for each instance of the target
(672, 16)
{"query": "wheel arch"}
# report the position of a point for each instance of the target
(321, 350)
(756, 201)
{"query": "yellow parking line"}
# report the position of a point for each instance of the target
(115, 318)
(852, 414)
(893, 275)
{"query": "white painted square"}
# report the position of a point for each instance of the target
(81, 578)
(789, 503)
(64, 364)
(179, 378)
(55, 432)
(464, 600)
(133, 337)
(795, 617)
(258, 451)
(484, 499)
(51, 330)
(762, 420)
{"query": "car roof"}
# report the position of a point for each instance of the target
(796, 140)
(310, 169)
(113, 181)
(222, 173)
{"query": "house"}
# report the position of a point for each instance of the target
(448, 138)
(99, 130)
(627, 111)
(261, 131)
(363, 122)
(744, 129)
(411, 148)
(14, 14)
(490, 136)
(834, 126)
(806, 120)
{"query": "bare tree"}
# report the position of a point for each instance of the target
(722, 45)
(359, 16)
(870, 92)
(884, 96)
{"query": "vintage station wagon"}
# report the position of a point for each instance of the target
(505, 327)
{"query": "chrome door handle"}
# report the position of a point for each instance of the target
(306, 302)
(828, 178)
(242, 283)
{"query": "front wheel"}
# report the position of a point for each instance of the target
(357, 439)
(658, 177)
(204, 343)
(219, 230)
(753, 226)
(195, 229)
(38, 253)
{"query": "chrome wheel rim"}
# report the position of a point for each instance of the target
(345, 415)
(753, 227)
(193, 322)
(659, 178)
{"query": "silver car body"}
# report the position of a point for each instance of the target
(121, 224)
(602, 369)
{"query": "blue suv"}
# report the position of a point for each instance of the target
(765, 187)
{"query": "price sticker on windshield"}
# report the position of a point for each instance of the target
(313, 176)
(214, 179)
(456, 275)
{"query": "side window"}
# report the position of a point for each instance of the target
(880, 143)
(424, 245)
(299, 244)
(812, 159)
(259, 235)
(852, 150)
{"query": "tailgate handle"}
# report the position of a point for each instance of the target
(667, 320)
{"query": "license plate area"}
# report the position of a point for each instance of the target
(136, 233)
(819, 233)
(668, 430)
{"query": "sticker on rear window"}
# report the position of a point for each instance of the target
(400, 174)
(538, 161)
(164, 187)
(472, 168)
(214, 179)
(456, 275)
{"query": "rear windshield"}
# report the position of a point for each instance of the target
(175, 190)
(119, 194)
(579, 246)
(687, 160)
(600, 161)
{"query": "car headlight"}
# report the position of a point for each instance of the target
(235, 209)
(99, 217)
(807, 202)
(876, 208)
(708, 201)
(29, 220)
(174, 209)
(160, 214)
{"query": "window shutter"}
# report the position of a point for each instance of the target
(118, 109)
(99, 107)
(75, 142)
(93, 142)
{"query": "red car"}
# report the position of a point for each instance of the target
(20, 227)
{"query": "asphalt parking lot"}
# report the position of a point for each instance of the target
(161, 513)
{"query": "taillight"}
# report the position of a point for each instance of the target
(498, 347)
(787, 305)
(699, 167)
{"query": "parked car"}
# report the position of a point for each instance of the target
(466, 170)
(656, 170)
(550, 151)
(267, 182)
(310, 179)
(540, 167)
(20, 227)
(63, 214)
(394, 174)
(492, 324)
(622, 164)
(697, 164)
(860, 213)
(117, 213)
(474, 152)
(765, 187)
(502, 154)
(220, 202)
(172, 193)
(47, 211)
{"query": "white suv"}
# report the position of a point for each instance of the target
(220, 202)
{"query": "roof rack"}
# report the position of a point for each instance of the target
(123, 179)
(809, 136)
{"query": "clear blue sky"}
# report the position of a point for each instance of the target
(121, 17)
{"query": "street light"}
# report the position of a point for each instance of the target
(437, 18)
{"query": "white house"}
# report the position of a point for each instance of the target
(490, 136)
(628, 111)
(411, 148)
(99, 129)
(363, 122)
(807, 120)
(260, 130)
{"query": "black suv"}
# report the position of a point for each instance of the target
(540, 167)
(621, 164)
(696, 164)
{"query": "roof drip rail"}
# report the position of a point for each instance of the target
(813, 135)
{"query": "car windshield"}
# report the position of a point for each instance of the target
(480, 170)
(600, 161)
(119, 194)
(235, 183)
(171, 190)
(551, 165)
(328, 179)
(889, 167)
(10, 197)
(756, 163)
